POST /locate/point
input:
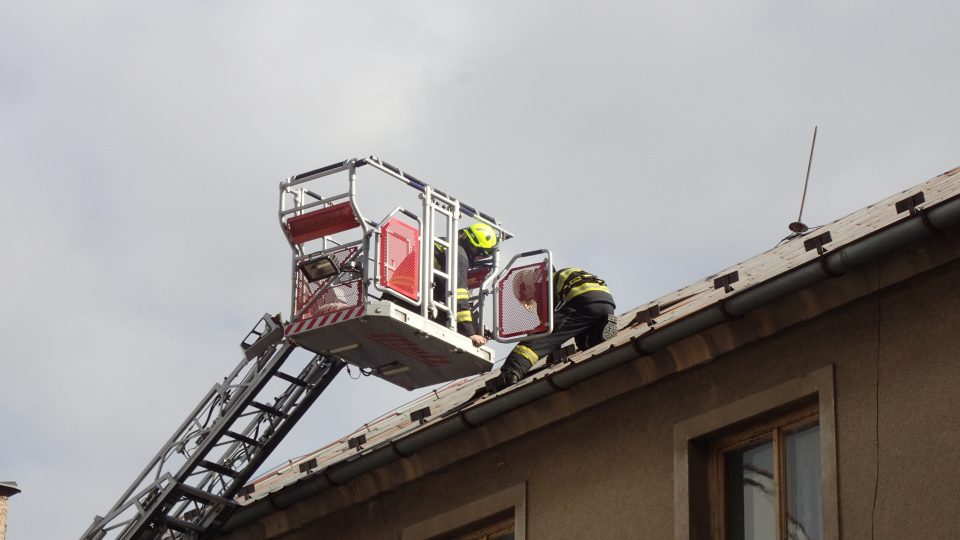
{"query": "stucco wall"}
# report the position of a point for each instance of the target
(4, 501)
(608, 471)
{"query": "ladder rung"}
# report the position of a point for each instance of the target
(217, 468)
(292, 380)
(243, 438)
(267, 409)
(200, 495)
(180, 525)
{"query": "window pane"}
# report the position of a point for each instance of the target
(804, 520)
(751, 495)
(500, 530)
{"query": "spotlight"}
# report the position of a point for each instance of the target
(318, 269)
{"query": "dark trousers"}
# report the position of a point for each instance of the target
(578, 319)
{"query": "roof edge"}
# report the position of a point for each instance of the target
(912, 228)
(8, 489)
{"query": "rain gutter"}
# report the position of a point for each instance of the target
(924, 223)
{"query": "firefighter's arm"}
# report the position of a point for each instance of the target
(465, 324)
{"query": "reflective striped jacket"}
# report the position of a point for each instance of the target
(464, 314)
(569, 283)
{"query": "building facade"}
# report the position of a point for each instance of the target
(7, 490)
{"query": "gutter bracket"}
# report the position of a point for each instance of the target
(925, 218)
(826, 268)
(396, 449)
(726, 313)
(326, 474)
(914, 205)
(274, 504)
(638, 347)
(817, 243)
(554, 385)
(468, 423)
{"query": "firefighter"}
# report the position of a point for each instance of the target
(473, 243)
(585, 312)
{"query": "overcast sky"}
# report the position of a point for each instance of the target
(654, 143)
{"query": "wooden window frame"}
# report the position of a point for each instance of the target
(774, 430)
(693, 439)
(485, 530)
(492, 510)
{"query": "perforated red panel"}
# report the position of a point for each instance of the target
(341, 296)
(523, 301)
(322, 222)
(399, 258)
(476, 276)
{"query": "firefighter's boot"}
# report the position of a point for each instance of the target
(504, 379)
(602, 330)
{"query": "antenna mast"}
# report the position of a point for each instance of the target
(798, 226)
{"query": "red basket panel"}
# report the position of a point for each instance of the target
(523, 301)
(476, 276)
(400, 258)
(322, 222)
(343, 295)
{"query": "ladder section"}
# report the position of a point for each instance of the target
(441, 224)
(187, 490)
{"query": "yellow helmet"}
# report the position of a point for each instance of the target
(481, 235)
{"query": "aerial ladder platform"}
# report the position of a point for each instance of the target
(378, 295)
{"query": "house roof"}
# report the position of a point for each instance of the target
(8, 489)
(674, 307)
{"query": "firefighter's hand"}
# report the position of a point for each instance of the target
(478, 340)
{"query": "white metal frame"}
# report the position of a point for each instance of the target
(497, 282)
(438, 209)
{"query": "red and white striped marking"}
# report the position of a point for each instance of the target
(324, 320)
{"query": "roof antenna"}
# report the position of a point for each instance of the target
(798, 227)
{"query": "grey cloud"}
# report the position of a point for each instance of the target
(652, 142)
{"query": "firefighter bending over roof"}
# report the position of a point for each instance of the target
(473, 243)
(585, 312)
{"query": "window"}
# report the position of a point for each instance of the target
(501, 529)
(499, 516)
(766, 480)
(763, 467)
